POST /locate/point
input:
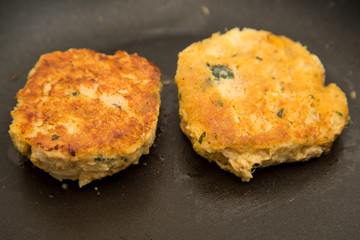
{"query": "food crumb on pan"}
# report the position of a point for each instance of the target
(51, 196)
(165, 82)
(205, 10)
(353, 95)
(96, 188)
(14, 76)
(64, 186)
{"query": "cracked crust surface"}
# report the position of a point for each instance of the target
(85, 115)
(251, 99)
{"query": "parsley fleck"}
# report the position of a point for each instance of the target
(312, 96)
(219, 104)
(99, 159)
(117, 105)
(75, 93)
(125, 159)
(55, 137)
(339, 113)
(259, 58)
(202, 137)
(280, 113)
(221, 72)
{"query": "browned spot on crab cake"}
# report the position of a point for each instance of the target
(84, 115)
(251, 99)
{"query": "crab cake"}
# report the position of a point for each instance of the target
(250, 99)
(84, 115)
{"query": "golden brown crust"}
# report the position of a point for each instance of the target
(53, 97)
(251, 90)
(80, 103)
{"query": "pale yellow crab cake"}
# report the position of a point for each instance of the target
(250, 99)
(84, 115)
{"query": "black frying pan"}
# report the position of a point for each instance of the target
(173, 193)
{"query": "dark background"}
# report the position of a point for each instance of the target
(173, 193)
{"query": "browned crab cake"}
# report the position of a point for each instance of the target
(84, 115)
(251, 99)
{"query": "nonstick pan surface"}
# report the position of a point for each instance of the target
(173, 193)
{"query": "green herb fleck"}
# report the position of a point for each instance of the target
(221, 72)
(339, 113)
(218, 103)
(280, 113)
(179, 96)
(55, 137)
(117, 105)
(312, 96)
(99, 159)
(259, 58)
(75, 93)
(125, 159)
(202, 137)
